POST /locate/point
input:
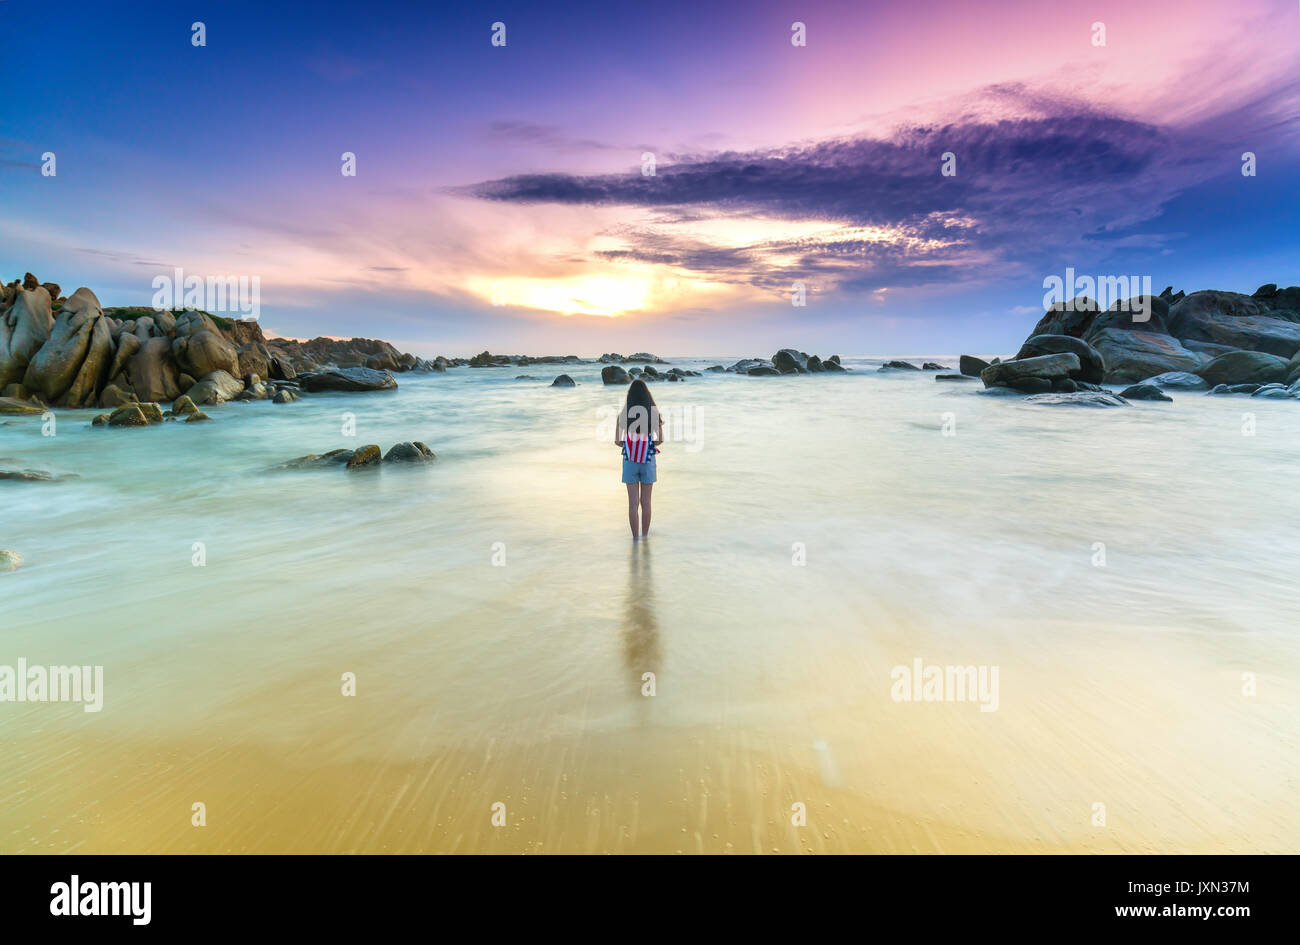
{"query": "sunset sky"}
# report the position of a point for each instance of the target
(517, 170)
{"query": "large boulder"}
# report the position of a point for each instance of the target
(790, 361)
(1092, 366)
(23, 329)
(613, 374)
(348, 379)
(201, 352)
(127, 348)
(1132, 355)
(192, 322)
(253, 359)
(153, 372)
(1241, 321)
(1071, 318)
(1245, 367)
(69, 368)
(215, 388)
(1046, 367)
(971, 366)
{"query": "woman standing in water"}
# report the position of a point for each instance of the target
(640, 431)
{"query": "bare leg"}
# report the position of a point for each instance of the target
(632, 489)
(645, 507)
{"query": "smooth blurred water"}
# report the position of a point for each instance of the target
(522, 683)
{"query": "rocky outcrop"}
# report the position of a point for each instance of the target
(24, 327)
(10, 560)
(348, 379)
(72, 352)
(69, 367)
(1177, 334)
(1250, 323)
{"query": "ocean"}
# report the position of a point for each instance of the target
(753, 678)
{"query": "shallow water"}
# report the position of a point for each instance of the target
(520, 683)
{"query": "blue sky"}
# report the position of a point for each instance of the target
(514, 174)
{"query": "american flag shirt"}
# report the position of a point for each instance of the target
(638, 448)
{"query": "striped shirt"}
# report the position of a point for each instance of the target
(638, 448)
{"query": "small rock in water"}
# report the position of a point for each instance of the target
(954, 377)
(129, 415)
(183, 406)
(365, 456)
(613, 374)
(1083, 398)
(413, 452)
(1177, 380)
(13, 405)
(970, 365)
(284, 396)
(563, 381)
(898, 366)
(197, 416)
(10, 560)
(1144, 392)
(1273, 392)
(933, 366)
(27, 475)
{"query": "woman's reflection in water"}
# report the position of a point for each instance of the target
(641, 648)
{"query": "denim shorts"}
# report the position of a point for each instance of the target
(638, 472)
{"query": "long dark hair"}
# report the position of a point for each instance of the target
(640, 414)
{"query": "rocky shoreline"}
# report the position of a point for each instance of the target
(58, 351)
(1212, 341)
